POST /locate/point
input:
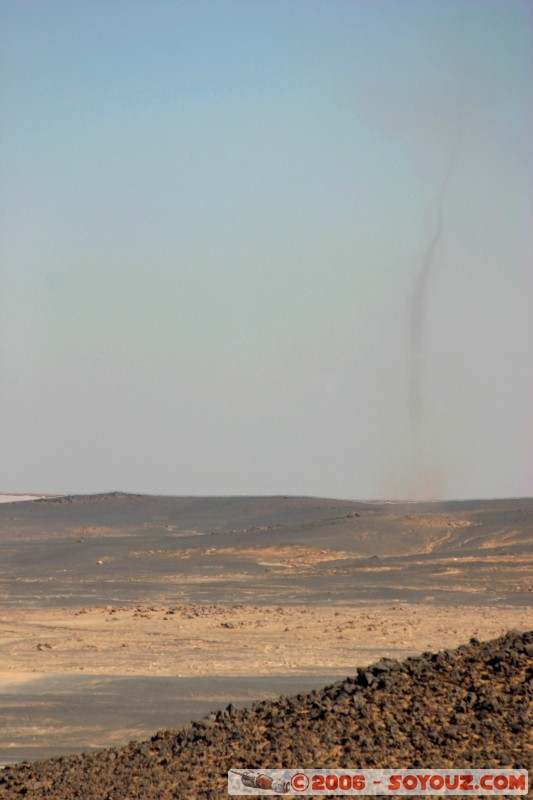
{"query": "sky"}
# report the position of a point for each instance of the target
(219, 221)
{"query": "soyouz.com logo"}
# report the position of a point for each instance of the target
(378, 781)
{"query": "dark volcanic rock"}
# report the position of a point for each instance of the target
(465, 708)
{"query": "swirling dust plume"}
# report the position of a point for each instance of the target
(426, 483)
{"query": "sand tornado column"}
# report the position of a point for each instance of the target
(418, 313)
(419, 304)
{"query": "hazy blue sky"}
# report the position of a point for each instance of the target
(214, 215)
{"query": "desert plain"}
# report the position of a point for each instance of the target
(124, 614)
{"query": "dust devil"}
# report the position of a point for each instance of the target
(419, 304)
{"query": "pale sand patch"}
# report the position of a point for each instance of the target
(20, 498)
(193, 640)
(439, 521)
(9, 678)
(17, 498)
(290, 555)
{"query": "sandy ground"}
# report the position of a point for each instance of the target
(19, 498)
(193, 640)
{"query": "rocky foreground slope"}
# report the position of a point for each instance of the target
(469, 707)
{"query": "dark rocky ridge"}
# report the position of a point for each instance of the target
(469, 707)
